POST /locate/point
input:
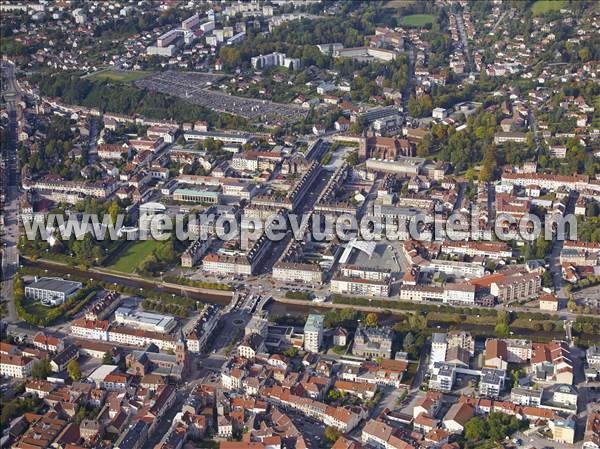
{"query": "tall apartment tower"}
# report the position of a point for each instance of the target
(313, 332)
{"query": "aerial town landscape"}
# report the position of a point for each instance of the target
(300, 224)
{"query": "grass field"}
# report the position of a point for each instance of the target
(416, 20)
(544, 6)
(133, 255)
(124, 77)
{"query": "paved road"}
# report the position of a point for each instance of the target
(463, 36)
(554, 262)
(498, 22)
(423, 366)
(411, 70)
(10, 257)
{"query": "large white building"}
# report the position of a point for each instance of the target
(462, 293)
(139, 337)
(148, 321)
(439, 345)
(52, 291)
(294, 272)
(275, 59)
(90, 329)
(15, 366)
(442, 376)
(356, 286)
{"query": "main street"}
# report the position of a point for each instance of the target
(10, 254)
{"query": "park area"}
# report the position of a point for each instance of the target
(133, 255)
(544, 6)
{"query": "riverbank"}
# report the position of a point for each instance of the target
(131, 280)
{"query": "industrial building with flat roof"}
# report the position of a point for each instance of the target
(145, 320)
(52, 291)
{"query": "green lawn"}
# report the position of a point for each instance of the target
(416, 20)
(544, 6)
(124, 77)
(133, 255)
(35, 307)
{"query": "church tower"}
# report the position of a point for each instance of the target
(181, 350)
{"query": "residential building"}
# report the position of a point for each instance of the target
(551, 363)
(102, 309)
(60, 361)
(593, 356)
(90, 329)
(516, 287)
(275, 59)
(439, 346)
(457, 417)
(250, 346)
(591, 437)
(563, 429)
(378, 434)
(527, 397)
(298, 272)
(140, 337)
(134, 437)
(313, 332)
(491, 382)
(48, 342)
(15, 366)
(493, 250)
(442, 377)
(549, 302)
(357, 286)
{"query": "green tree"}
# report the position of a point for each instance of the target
(74, 370)
(334, 395)
(424, 146)
(352, 158)
(408, 344)
(476, 429)
(542, 246)
(332, 434)
(470, 174)
(113, 211)
(107, 359)
(502, 328)
(417, 321)
(41, 369)
(371, 320)
(291, 352)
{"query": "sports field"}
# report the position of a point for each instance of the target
(416, 20)
(122, 76)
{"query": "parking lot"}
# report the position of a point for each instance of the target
(197, 90)
(589, 297)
